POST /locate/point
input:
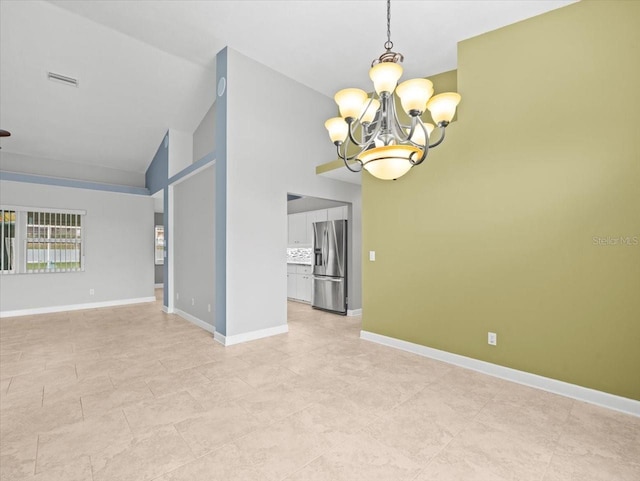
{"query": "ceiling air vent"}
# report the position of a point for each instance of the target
(56, 77)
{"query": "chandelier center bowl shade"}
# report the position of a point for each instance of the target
(369, 125)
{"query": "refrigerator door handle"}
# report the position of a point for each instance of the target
(328, 279)
(325, 254)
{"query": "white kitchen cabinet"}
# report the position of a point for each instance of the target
(337, 213)
(299, 282)
(303, 283)
(298, 229)
(303, 287)
(303, 269)
(300, 226)
(291, 285)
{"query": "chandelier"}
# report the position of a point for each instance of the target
(368, 134)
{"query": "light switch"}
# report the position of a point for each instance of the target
(372, 255)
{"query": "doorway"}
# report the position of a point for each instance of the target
(159, 243)
(304, 215)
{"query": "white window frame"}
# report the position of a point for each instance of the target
(46, 238)
(8, 250)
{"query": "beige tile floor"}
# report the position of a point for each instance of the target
(131, 393)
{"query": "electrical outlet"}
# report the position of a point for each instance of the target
(177, 295)
(492, 339)
(372, 256)
(208, 307)
(193, 301)
(92, 292)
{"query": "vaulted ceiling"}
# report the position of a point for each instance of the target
(146, 66)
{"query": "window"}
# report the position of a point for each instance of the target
(7, 240)
(41, 240)
(159, 244)
(54, 242)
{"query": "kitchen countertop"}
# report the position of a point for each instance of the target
(299, 263)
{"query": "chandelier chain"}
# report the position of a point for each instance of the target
(388, 44)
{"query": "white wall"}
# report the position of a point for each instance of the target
(27, 164)
(118, 245)
(275, 138)
(194, 245)
(204, 135)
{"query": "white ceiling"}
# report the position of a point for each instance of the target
(146, 66)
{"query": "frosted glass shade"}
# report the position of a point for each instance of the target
(414, 94)
(385, 76)
(338, 129)
(418, 133)
(369, 110)
(389, 162)
(443, 106)
(350, 102)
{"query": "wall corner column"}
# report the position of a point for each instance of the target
(221, 194)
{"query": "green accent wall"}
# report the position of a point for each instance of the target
(526, 221)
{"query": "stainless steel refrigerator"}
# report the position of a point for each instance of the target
(330, 266)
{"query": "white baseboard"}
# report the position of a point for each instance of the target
(611, 401)
(221, 338)
(354, 312)
(250, 336)
(167, 310)
(158, 286)
(198, 322)
(299, 301)
(75, 307)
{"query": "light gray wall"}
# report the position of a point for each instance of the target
(118, 247)
(264, 162)
(194, 245)
(27, 164)
(180, 151)
(204, 135)
(158, 218)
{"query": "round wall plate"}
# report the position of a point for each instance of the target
(222, 86)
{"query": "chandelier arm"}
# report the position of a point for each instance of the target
(345, 148)
(441, 139)
(362, 146)
(352, 137)
(372, 136)
(425, 147)
(346, 164)
(346, 160)
(352, 157)
(396, 126)
(359, 122)
(409, 134)
(378, 127)
(364, 110)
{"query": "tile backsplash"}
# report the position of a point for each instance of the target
(299, 255)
